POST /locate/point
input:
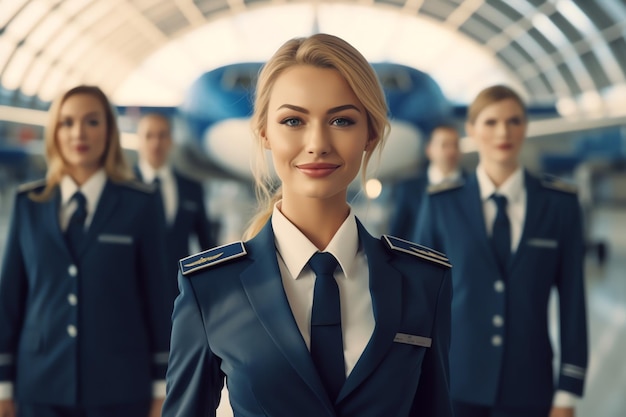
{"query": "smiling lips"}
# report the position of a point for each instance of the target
(317, 170)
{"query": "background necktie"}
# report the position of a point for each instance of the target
(501, 233)
(326, 338)
(75, 233)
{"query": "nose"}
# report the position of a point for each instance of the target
(78, 131)
(318, 140)
(502, 130)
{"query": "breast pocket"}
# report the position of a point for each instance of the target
(115, 239)
(411, 339)
(189, 205)
(543, 243)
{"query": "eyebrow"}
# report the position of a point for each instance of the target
(92, 113)
(330, 111)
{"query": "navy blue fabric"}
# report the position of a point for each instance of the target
(90, 328)
(501, 352)
(233, 321)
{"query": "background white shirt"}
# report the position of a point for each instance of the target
(169, 189)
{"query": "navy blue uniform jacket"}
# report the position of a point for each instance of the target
(518, 372)
(232, 319)
(408, 196)
(89, 331)
(191, 219)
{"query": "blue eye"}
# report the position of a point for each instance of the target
(291, 122)
(342, 122)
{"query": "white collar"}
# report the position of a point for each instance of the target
(296, 249)
(91, 189)
(512, 188)
(436, 176)
(149, 174)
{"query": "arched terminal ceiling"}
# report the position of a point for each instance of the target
(569, 51)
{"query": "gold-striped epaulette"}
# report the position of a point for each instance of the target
(31, 186)
(401, 245)
(211, 257)
(558, 184)
(445, 186)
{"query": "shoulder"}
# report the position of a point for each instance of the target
(557, 184)
(136, 186)
(37, 185)
(445, 186)
(212, 257)
(406, 248)
(185, 179)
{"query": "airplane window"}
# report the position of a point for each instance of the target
(397, 80)
(238, 80)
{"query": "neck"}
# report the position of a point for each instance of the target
(155, 166)
(80, 175)
(499, 173)
(318, 219)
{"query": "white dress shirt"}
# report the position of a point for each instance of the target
(294, 251)
(91, 189)
(514, 190)
(169, 189)
(435, 176)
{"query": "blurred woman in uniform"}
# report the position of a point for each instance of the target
(511, 238)
(313, 316)
(83, 320)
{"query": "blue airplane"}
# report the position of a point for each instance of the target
(214, 116)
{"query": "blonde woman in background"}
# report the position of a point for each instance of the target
(84, 326)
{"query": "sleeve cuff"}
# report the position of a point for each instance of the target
(158, 389)
(6, 390)
(565, 399)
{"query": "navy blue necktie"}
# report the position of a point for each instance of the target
(326, 338)
(501, 233)
(75, 233)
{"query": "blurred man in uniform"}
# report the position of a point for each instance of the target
(444, 155)
(183, 198)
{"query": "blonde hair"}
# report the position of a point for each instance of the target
(492, 95)
(321, 51)
(113, 160)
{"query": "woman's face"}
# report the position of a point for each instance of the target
(317, 131)
(499, 131)
(81, 132)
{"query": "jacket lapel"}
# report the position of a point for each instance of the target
(534, 208)
(263, 285)
(472, 206)
(51, 220)
(181, 192)
(104, 210)
(386, 290)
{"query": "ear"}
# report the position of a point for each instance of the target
(264, 140)
(370, 144)
(469, 129)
